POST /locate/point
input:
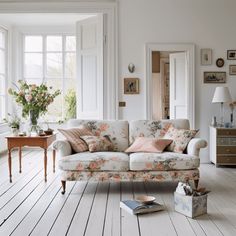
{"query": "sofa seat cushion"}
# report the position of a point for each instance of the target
(96, 161)
(163, 161)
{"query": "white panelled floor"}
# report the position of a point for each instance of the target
(29, 206)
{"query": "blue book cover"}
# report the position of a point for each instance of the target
(135, 207)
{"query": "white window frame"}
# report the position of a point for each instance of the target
(44, 56)
(5, 74)
(108, 8)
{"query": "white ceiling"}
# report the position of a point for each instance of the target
(20, 19)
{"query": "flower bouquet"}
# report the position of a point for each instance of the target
(34, 100)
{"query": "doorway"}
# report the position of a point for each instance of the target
(170, 81)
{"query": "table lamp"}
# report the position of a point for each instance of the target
(221, 95)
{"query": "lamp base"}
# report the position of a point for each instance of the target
(222, 123)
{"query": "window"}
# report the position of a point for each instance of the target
(51, 59)
(3, 73)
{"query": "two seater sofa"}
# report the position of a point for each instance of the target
(120, 166)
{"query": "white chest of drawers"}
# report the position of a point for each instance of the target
(223, 146)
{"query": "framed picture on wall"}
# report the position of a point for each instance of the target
(232, 69)
(215, 77)
(206, 56)
(231, 54)
(131, 86)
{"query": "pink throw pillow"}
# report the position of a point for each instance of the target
(73, 136)
(144, 144)
(98, 144)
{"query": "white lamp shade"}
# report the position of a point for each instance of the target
(221, 94)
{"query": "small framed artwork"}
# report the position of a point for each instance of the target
(220, 62)
(206, 56)
(232, 69)
(131, 86)
(231, 54)
(214, 77)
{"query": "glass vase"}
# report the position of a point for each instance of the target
(33, 117)
(15, 131)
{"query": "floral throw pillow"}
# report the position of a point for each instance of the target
(98, 144)
(73, 136)
(180, 137)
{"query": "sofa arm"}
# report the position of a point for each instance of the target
(62, 147)
(195, 145)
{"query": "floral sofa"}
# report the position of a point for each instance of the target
(120, 166)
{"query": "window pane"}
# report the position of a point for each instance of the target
(70, 68)
(70, 99)
(70, 43)
(2, 108)
(33, 43)
(34, 81)
(33, 65)
(2, 62)
(54, 65)
(2, 39)
(55, 109)
(54, 43)
(2, 85)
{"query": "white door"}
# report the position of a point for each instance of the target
(178, 85)
(89, 35)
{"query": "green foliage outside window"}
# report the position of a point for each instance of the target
(70, 103)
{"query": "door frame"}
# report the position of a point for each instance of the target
(189, 48)
(109, 9)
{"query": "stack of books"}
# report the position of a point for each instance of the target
(135, 207)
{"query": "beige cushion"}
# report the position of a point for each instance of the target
(98, 144)
(96, 161)
(144, 144)
(73, 137)
(163, 161)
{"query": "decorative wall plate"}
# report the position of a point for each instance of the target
(220, 62)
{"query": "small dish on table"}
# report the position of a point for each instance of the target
(144, 199)
(48, 132)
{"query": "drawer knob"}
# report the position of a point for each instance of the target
(227, 150)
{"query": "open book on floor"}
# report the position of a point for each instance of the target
(135, 207)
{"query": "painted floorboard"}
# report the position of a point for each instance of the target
(29, 206)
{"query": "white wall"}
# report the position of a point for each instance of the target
(206, 23)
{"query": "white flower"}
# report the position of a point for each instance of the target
(28, 97)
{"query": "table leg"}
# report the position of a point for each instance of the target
(54, 157)
(9, 164)
(45, 164)
(20, 156)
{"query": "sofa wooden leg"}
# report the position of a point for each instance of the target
(63, 183)
(196, 181)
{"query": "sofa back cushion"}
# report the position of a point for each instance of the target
(153, 128)
(116, 130)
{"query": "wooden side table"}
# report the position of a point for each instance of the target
(38, 141)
